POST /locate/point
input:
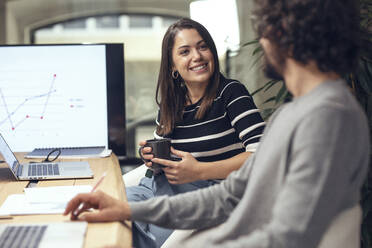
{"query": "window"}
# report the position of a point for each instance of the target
(107, 21)
(167, 21)
(74, 24)
(140, 21)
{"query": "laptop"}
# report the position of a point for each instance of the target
(43, 235)
(45, 170)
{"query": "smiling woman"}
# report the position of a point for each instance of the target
(212, 122)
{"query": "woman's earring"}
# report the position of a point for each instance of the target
(175, 74)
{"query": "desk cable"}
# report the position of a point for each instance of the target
(48, 159)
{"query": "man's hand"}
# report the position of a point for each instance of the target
(109, 208)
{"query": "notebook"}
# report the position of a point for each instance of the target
(43, 171)
(42, 235)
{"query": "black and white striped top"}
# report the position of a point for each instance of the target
(231, 126)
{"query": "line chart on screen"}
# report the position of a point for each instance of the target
(47, 97)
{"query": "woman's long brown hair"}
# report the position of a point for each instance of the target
(171, 94)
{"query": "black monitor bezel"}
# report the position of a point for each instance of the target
(116, 97)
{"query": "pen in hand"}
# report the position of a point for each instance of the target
(76, 212)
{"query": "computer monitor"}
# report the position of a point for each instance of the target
(63, 95)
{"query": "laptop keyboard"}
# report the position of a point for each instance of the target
(43, 169)
(22, 236)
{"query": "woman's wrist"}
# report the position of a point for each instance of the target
(202, 171)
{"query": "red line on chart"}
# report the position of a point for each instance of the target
(7, 111)
(10, 114)
(46, 102)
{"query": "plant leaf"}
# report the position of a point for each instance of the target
(281, 93)
(364, 80)
(266, 113)
(256, 60)
(258, 90)
(367, 204)
(272, 83)
(261, 88)
(250, 43)
(256, 50)
(368, 67)
(269, 100)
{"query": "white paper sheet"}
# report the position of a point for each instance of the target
(18, 205)
(44, 200)
(55, 194)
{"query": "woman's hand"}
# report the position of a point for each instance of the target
(110, 209)
(179, 172)
(146, 153)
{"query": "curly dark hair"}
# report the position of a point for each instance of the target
(326, 31)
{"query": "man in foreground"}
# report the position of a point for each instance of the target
(312, 159)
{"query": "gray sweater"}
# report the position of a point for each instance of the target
(309, 167)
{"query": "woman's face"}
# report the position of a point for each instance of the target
(192, 57)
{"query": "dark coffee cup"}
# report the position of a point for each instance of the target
(160, 149)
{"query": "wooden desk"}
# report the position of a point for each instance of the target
(98, 234)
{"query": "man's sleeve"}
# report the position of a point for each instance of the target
(198, 209)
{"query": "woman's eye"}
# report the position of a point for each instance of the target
(203, 47)
(184, 52)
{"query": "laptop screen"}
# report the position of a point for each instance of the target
(8, 155)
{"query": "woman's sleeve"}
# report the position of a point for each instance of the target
(244, 116)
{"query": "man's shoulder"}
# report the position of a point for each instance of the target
(332, 96)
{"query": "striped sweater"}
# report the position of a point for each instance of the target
(231, 126)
